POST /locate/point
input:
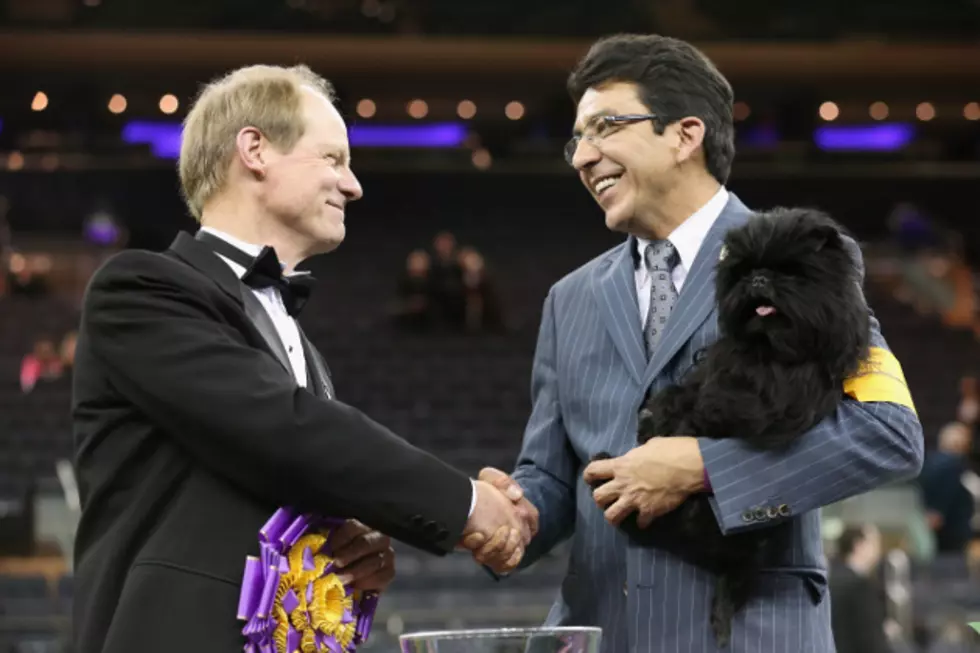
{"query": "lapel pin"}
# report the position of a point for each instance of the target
(723, 253)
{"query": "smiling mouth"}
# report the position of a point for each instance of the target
(605, 183)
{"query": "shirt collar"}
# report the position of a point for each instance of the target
(248, 248)
(687, 237)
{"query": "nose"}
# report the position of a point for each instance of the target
(760, 281)
(350, 186)
(586, 155)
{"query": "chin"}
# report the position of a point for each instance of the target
(327, 238)
(618, 218)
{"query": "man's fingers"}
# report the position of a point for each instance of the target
(343, 536)
(367, 567)
(514, 560)
(618, 511)
(599, 470)
(502, 482)
(531, 519)
(529, 515)
(381, 577)
(509, 556)
(496, 543)
(515, 541)
(607, 493)
(359, 547)
(474, 541)
(378, 581)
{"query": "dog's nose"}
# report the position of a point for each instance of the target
(760, 281)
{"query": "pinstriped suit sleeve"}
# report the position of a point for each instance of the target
(860, 447)
(546, 465)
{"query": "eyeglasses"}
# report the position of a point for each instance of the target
(602, 127)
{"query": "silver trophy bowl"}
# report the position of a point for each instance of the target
(504, 640)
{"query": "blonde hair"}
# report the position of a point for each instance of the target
(267, 98)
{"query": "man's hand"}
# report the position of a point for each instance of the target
(477, 542)
(364, 557)
(494, 532)
(652, 479)
(513, 491)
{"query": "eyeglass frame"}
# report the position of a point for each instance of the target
(621, 120)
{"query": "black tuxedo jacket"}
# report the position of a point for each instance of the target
(190, 431)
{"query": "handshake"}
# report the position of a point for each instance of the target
(502, 524)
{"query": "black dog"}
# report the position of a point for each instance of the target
(793, 326)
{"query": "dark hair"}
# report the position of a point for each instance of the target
(849, 539)
(675, 80)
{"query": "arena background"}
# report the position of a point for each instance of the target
(869, 109)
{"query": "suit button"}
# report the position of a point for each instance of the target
(747, 517)
(760, 514)
(416, 521)
(443, 533)
(772, 513)
(431, 527)
(784, 510)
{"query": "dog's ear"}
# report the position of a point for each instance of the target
(826, 235)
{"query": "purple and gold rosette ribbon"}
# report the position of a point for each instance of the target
(292, 600)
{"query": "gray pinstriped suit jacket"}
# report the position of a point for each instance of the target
(589, 378)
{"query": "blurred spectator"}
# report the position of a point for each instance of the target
(447, 281)
(67, 350)
(480, 297)
(856, 602)
(949, 504)
(413, 307)
(28, 275)
(969, 408)
(912, 228)
(42, 364)
(5, 239)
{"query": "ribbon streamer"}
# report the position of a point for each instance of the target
(291, 600)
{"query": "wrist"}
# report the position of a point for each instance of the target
(697, 478)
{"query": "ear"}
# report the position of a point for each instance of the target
(251, 145)
(690, 136)
(826, 235)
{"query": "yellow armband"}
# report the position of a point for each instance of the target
(880, 378)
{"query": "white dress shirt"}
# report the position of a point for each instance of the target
(285, 325)
(686, 239)
(271, 301)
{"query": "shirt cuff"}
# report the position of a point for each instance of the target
(473, 496)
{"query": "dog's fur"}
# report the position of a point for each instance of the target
(766, 380)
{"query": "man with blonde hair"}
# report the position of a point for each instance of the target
(200, 408)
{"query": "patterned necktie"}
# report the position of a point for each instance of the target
(660, 257)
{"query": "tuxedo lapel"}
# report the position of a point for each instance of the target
(697, 298)
(260, 318)
(201, 257)
(615, 291)
(319, 374)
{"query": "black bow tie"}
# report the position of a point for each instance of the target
(265, 271)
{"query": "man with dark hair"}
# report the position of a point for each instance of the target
(653, 144)
(857, 607)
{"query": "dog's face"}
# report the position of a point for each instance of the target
(788, 285)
